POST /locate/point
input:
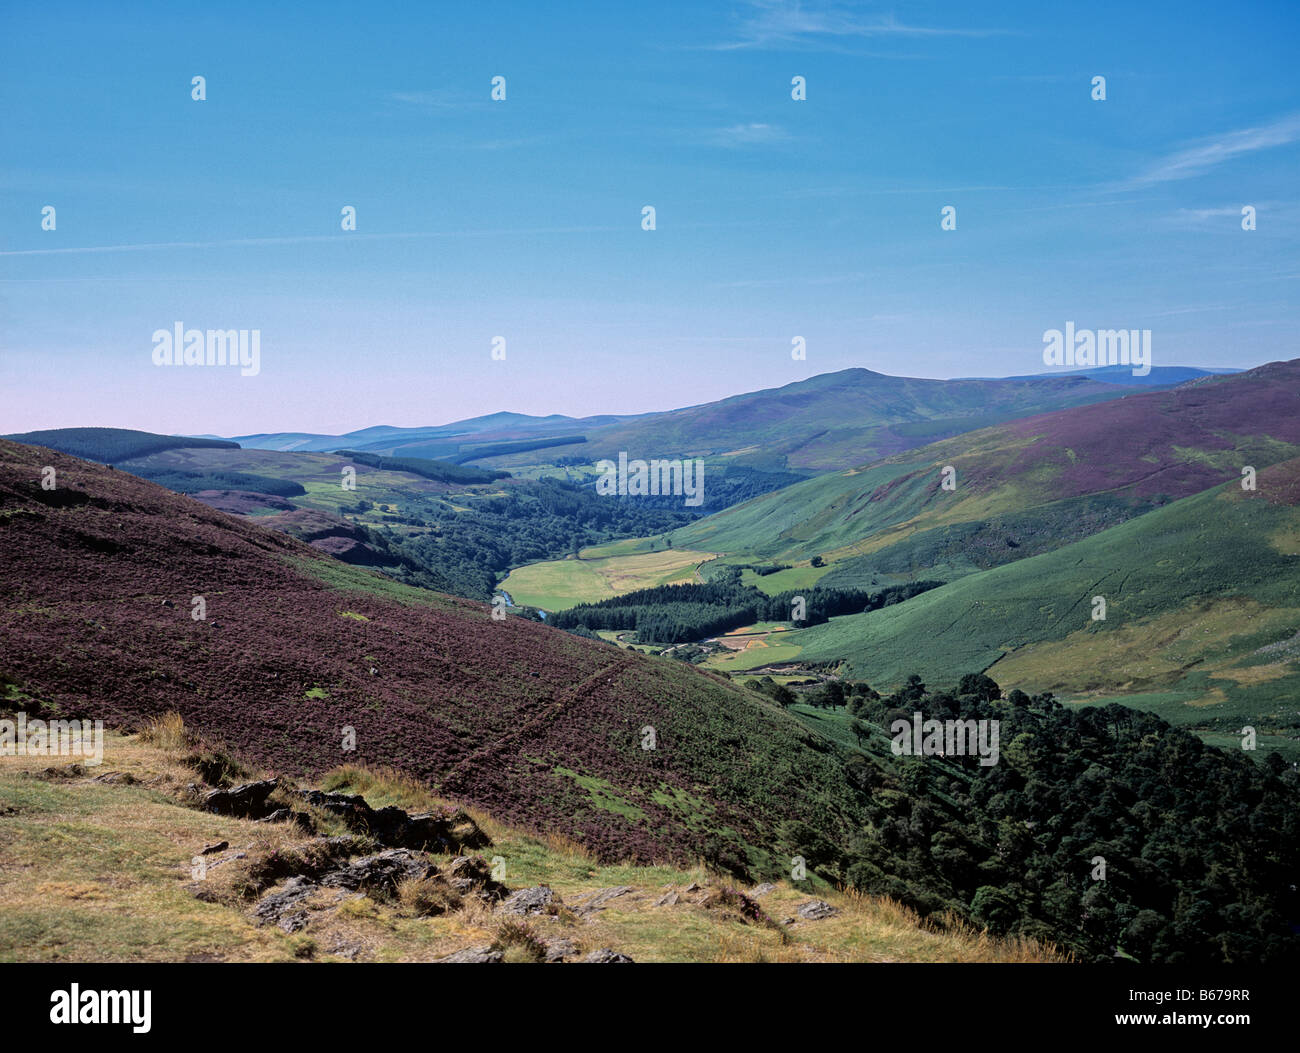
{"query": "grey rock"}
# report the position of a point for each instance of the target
(471, 876)
(815, 910)
(472, 956)
(529, 900)
(246, 801)
(283, 907)
(558, 950)
(601, 899)
(380, 872)
(395, 828)
(668, 899)
(123, 778)
(606, 955)
(280, 815)
(762, 890)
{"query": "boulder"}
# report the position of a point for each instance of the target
(472, 956)
(284, 906)
(380, 872)
(815, 910)
(471, 876)
(245, 801)
(534, 900)
(599, 900)
(605, 955)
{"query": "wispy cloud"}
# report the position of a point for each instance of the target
(1199, 157)
(752, 134)
(431, 100)
(301, 240)
(793, 24)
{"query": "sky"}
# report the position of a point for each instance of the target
(775, 218)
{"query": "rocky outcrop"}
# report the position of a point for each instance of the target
(448, 831)
(536, 900)
(380, 873)
(245, 801)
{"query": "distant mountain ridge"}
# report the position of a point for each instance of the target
(828, 421)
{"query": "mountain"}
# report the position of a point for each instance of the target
(830, 421)
(834, 420)
(1020, 488)
(446, 440)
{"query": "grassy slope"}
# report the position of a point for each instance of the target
(121, 896)
(1023, 487)
(97, 588)
(1193, 591)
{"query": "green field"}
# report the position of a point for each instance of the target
(559, 584)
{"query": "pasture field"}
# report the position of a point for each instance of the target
(559, 584)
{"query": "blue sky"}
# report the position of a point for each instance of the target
(522, 218)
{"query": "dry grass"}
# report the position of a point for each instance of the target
(102, 872)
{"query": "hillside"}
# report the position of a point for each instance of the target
(834, 420)
(129, 894)
(1021, 488)
(538, 726)
(1202, 614)
(110, 445)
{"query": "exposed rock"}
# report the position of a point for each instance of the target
(120, 778)
(559, 950)
(284, 907)
(762, 890)
(380, 872)
(815, 910)
(530, 900)
(245, 801)
(472, 955)
(693, 887)
(281, 815)
(599, 900)
(429, 831)
(604, 955)
(668, 899)
(471, 876)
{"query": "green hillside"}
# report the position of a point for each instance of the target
(1021, 488)
(1202, 612)
(110, 445)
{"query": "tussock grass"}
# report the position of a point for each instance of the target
(103, 872)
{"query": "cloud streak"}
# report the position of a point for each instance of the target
(1200, 157)
(301, 240)
(792, 24)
